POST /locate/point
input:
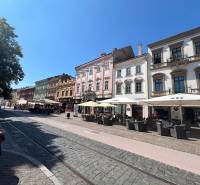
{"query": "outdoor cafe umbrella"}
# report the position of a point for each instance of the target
(48, 101)
(181, 100)
(88, 104)
(22, 102)
(105, 105)
(120, 101)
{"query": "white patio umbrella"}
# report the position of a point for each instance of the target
(120, 100)
(21, 102)
(88, 104)
(181, 100)
(105, 105)
(48, 101)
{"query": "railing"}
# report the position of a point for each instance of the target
(176, 61)
(161, 93)
(194, 91)
(170, 91)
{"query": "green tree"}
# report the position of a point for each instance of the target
(10, 54)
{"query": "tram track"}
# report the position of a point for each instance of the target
(76, 172)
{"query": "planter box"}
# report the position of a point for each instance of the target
(178, 131)
(99, 120)
(161, 130)
(140, 126)
(130, 125)
(107, 121)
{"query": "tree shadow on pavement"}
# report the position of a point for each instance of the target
(30, 139)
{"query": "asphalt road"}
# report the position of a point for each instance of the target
(76, 160)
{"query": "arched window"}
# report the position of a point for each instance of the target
(118, 88)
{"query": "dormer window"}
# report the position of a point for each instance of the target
(157, 56)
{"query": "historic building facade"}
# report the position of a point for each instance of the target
(27, 93)
(175, 65)
(41, 89)
(15, 95)
(94, 79)
(130, 81)
(65, 91)
(52, 87)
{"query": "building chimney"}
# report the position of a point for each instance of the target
(139, 49)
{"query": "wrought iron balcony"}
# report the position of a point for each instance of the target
(176, 61)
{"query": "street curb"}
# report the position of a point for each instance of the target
(43, 168)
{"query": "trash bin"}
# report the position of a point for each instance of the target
(68, 115)
(2, 138)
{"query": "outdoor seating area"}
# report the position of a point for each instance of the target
(103, 113)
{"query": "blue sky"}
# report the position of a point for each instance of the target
(57, 35)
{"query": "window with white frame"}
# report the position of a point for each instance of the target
(127, 87)
(77, 88)
(97, 85)
(98, 69)
(83, 88)
(119, 73)
(90, 87)
(138, 69)
(118, 88)
(138, 86)
(128, 71)
(78, 75)
(106, 66)
(90, 71)
(106, 85)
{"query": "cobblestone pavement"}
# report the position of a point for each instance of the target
(15, 169)
(192, 145)
(96, 162)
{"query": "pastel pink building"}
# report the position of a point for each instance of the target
(94, 79)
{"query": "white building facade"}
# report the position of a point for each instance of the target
(130, 81)
(175, 67)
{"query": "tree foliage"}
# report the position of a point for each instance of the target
(10, 54)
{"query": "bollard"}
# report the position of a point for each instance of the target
(2, 138)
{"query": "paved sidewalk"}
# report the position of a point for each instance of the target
(17, 169)
(178, 159)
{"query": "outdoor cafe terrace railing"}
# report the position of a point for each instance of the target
(176, 61)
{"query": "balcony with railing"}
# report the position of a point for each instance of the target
(161, 93)
(176, 61)
(171, 91)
